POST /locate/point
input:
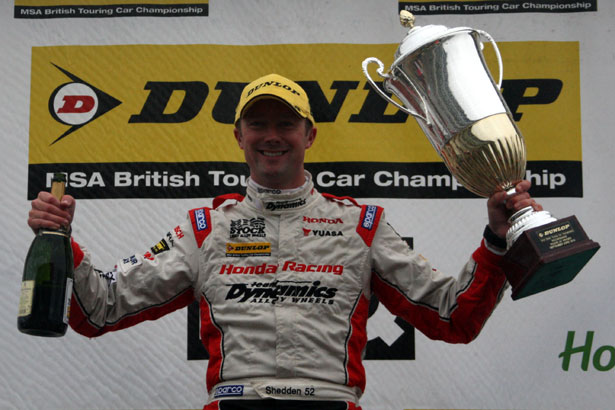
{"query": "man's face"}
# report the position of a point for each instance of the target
(274, 139)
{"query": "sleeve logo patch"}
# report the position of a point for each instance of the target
(369, 217)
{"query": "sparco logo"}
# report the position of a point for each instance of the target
(273, 206)
(368, 219)
(245, 228)
(283, 291)
(268, 191)
(230, 390)
(201, 221)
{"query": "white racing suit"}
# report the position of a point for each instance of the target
(284, 282)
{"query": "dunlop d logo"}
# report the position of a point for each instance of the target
(77, 103)
(248, 249)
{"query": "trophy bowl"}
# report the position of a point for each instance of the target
(486, 157)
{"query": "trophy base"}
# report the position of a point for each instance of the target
(547, 256)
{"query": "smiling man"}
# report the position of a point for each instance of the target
(274, 127)
(285, 274)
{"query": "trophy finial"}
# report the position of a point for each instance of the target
(406, 19)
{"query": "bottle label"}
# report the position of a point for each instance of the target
(69, 294)
(25, 298)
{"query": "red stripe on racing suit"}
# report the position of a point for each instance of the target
(473, 302)
(212, 338)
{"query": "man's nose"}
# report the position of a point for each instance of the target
(272, 134)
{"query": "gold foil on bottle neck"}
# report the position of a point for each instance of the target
(58, 189)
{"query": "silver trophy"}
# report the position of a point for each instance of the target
(440, 76)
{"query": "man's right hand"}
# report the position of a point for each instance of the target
(48, 212)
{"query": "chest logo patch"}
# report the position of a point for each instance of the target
(242, 250)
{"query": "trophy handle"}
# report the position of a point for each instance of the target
(371, 82)
(488, 37)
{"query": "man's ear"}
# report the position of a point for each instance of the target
(311, 137)
(238, 137)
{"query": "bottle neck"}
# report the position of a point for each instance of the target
(61, 231)
(58, 189)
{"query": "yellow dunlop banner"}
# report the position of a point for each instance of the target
(497, 6)
(109, 8)
(157, 120)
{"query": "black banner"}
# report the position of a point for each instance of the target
(498, 6)
(356, 179)
(112, 10)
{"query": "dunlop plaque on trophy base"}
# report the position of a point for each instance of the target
(441, 78)
(547, 256)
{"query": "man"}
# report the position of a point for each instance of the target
(284, 275)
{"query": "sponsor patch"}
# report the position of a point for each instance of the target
(321, 232)
(302, 292)
(368, 218)
(230, 390)
(246, 228)
(110, 276)
(160, 247)
(242, 250)
(289, 266)
(247, 270)
(274, 206)
(268, 191)
(331, 221)
(149, 256)
(130, 261)
(178, 232)
(303, 267)
(201, 220)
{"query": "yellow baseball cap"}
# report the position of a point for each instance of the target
(275, 86)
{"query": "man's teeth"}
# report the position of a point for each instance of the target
(272, 154)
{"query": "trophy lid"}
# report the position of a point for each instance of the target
(419, 36)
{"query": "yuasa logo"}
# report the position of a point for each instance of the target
(77, 103)
(231, 390)
(321, 233)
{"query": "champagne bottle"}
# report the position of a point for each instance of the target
(46, 287)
